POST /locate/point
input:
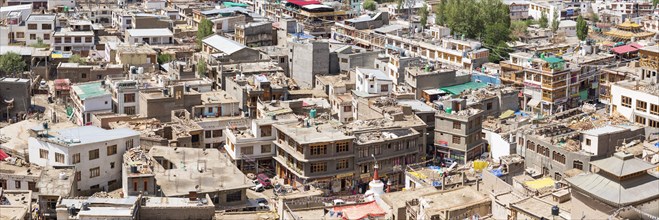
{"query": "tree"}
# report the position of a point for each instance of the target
(12, 63)
(440, 19)
(75, 58)
(201, 67)
(518, 29)
(596, 18)
(582, 28)
(370, 5)
(423, 12)
(655, 3)
(543, 21)
(204, 30)
(555, 22)
(164, 58)
(496, 36)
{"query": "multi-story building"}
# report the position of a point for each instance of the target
(373, 81)
(159, 103)
(18, 177)
(458, 132)
(88, 99)
(96, 153)
(637, 100)
(78, 37)
(429, 77)
(17, 94)
(152, 36)
(250, 89)
(321, 154)
(308, 59)
(39, 28)
(124, 96)
(547, 8)
(52, 186)
(518, 10)
(255, 34)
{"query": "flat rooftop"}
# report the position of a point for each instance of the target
(72, 137)
(90, 90)
(460, 197)
(380, 136)
(319, 133)
(14, 137)
(51, 184)
(539, 208)
(201, 170)
(219, 96)
(640, 86)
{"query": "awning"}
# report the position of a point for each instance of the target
(624, 49)
(533, 102)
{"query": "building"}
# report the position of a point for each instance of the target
(618, 181)
(124, 96)
(458, 132)
(346, 58)
(159, 103)
(449, 204)
(152, 36)
(220, 48)
(429, 77)
(69, 208)
(18, 175)
(321, 154)
(16, 204)
(78, 38)
(133, 55)
(519, 10)
(255, 34)
(373, 81)
(207, 173)
(308, 59)
(55, 182)
(137, 176)
(636, 100)
(250, 89)
(89, 98)
(80, 73)
(39, 28)
(98, 167)
(17, 95)
(649, 63)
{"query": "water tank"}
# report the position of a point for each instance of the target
(555, 210)
(312, 113)
(62, 176)
(140, 70)
(449, 110)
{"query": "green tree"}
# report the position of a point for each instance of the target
(518, 29)
(440, 19)
(496, 36)
(582, 28)
(164, 58)
(370, 5)
(12, 63)
(555, 22)
(543, 21)
(201, 67)
(423, 12)
(204, 30)
(75, 58)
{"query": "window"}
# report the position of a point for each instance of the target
(43, 153)
(111, 165)
(129, 144)
(384, 88)
(377, 150)
(94, 187)
(17, 184)
(146, 185)
(342, 164)
(266, 148)
(347, 108)
(32, 26)
(88, 40)
(234, 196)
(207, 134)
(456, 125)
(129, 110)
(217, 133)
(32, 186)
(653, 123)
(78, 176)
(318, 167)
(93, 154)
(78, 39)
(489, 106)
(577, 165)
(129, 97)
(59, 158)
(46, 36)
(587, 142)
(112, 150)
(318, 149)
(94, 172)
(84, 76)
(112, 183)
(639, 119)
(20, 35)
(33, 36)
(342, 147)
(626, 101)
(456, 139)
(344, 60)
(266, 131)
(46, 26)
(654, 109)
(247, 150)
(641, 105)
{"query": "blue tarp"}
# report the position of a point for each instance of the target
(497, 172)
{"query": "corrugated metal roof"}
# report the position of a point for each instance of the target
(89, 90)
(223, 44)
(457, 89)
(621, 164)
(629, 192)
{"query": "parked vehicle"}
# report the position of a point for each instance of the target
(264, 180)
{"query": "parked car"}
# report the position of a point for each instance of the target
(257, 188)
(264, 180)
(447, 161)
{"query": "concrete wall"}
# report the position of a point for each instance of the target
(178, 212)
(87, 73)
(308, 60)
(19, 90)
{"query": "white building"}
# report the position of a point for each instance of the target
(96, 153)
(568, 27)
(39, 27)
(78, 37)
(89, 98)
(536, 9)
(637, 101)
(150, 36)
(374, 82)
(124, 96)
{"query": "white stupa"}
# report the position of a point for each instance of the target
(376, 186)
